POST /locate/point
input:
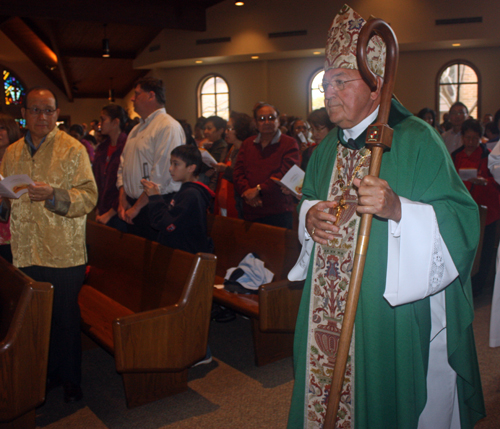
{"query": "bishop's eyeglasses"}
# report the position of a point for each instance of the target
(336, 84)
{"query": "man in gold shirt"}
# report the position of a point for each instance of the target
(48, 225)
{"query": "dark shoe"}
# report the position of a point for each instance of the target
(72, 392)
(216, 310)
(225, 315)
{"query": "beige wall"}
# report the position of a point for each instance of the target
(248, 26)
(284, 82)
(280, 82)
(416, 80)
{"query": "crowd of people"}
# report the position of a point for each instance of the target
(470, 142)
(144, 177)
(157, 178)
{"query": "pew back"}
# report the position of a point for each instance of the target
(139, 274)
(235, 238)
(150, 306)
(25, 315)
(273, 312)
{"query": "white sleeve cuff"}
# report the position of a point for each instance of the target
(418, 262)
(299, 271)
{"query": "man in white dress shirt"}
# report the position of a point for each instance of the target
(147, 155)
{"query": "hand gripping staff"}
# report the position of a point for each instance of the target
(378, 139)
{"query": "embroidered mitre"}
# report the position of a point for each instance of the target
(342, 43)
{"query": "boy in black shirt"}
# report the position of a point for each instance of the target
(182, 218)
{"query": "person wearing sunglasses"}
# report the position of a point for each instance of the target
(269, 155)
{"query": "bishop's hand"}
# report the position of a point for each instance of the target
(320, 222)
(376, 197)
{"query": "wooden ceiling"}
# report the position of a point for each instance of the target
(64, 38)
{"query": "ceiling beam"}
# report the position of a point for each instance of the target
(34, 48)
(62, 69)
(173, 14)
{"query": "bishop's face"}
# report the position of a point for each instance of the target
(347, 107)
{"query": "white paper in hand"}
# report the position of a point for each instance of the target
(207, 158)
(15, 186)
(293, 180)
(467, 173)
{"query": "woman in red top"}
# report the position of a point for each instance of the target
(107, 160)
(483, 188)
(227, 203)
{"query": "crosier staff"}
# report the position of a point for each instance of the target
(378, 140)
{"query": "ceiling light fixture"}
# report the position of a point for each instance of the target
(316, 53)
(255, 57)
(239, 3)
(455, 44)
(198, 61)
(105, 44)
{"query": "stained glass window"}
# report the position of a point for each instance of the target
(13, 89)
(213, 97)
(21, 122)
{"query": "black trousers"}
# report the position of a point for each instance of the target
(5, 252)
(65, 350)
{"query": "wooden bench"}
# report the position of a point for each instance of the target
(25, 314)
(149, 306)
(273, 312)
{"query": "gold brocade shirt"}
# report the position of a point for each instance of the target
(45, 234)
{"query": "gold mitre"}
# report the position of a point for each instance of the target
(343, 41)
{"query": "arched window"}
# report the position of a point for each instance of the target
(213, 97)
(458, 81)
(316, 98)
(14, 93)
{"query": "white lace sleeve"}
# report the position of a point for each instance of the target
(418, 263)
(299, 271)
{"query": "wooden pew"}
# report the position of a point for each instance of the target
(149, 306)
(273, 312)
(25, 315)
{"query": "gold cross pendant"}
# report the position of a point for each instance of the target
(341, 206)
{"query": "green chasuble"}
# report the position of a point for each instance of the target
(392, 343)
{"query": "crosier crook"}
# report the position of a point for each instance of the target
(378, 139)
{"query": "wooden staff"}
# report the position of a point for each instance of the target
(378, 139)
